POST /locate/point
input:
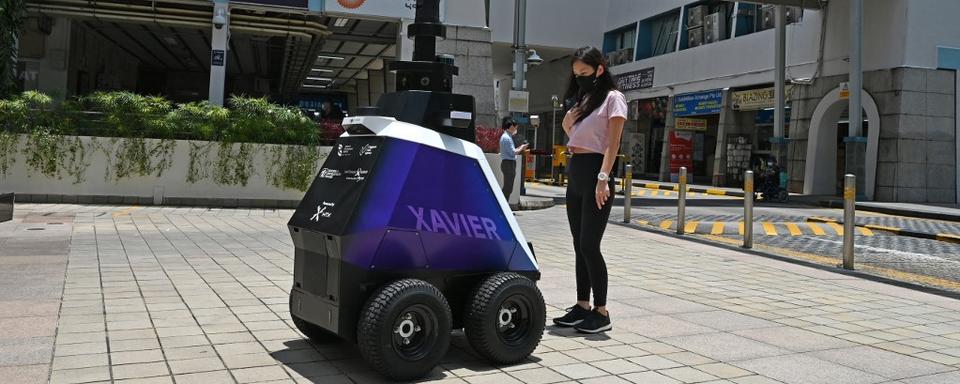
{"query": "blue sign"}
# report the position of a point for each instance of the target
(699, 103)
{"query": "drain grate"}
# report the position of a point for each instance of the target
(35, 229)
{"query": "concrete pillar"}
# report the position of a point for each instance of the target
(665, 154)
(404, 44)
(375, 84)
(219, 39)
(720, 154)
(50, 75)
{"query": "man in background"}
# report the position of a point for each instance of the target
(508, 155)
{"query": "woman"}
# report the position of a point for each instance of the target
(594, 124)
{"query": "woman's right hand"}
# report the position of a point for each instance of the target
(571, 118)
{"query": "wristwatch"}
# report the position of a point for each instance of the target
(602, 176)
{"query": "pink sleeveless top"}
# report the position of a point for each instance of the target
(592, 132)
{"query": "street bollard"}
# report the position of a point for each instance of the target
(748, 210)
(627, 193)
(682, 202)
(849, 218)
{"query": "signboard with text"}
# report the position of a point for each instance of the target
(635, 80)
(699, 103)
(689, 124)
(754, 99)
(393, 9)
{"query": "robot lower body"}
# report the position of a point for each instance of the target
(403, 237)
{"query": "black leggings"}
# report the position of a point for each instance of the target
(587, 224)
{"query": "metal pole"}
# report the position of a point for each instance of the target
(748, 210)
(849, 218)
(628, 194)
(781, 64)
(682, 203)
(856, 70)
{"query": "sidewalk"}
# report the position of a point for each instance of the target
(197, 295)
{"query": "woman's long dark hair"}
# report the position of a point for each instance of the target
(590, 101)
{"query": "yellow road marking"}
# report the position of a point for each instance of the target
(651, 186)
(865, 231)
(794, 229)
(655, 192)
(816, 229)
(642, 192)
(740, 228)
(643, 222)
(716, 192)
(691, 227)
(717, 229)
(950, 238)
(823, 260)
(668, 193)
(769, 228)
(666, 224)
(883, 228)
(836, 228)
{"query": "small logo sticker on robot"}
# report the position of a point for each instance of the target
(358, 175)
(344, 150)
(367, 150)
(323, 211)
(328, 173)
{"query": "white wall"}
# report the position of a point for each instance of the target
(552, 23)
(930, 23)
(467, 13)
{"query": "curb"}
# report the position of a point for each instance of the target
(946, 237)
(892, 211)
(709, 191)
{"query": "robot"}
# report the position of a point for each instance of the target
(404, 236)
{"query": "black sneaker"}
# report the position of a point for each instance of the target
(594, 323)
(574, 316)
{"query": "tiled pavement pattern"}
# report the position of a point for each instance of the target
(193, 296)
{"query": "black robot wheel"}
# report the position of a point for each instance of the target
(312, 331)
(505, 317)
(404, 329)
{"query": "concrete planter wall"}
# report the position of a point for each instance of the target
(171, 187)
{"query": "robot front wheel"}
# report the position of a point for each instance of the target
(404, 329)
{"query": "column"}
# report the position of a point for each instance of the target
(219, 38)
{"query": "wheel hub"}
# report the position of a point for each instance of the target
(505, 317)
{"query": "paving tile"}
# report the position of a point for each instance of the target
(797, 340)
(654, 362)
(723, 370)
(145, 356)
(724, 320)
(147, 380)
(496, 378)
(215, 377)
(725, 346)
(81, 375)
(205, 364)
(605, 380)
(80, 361)
(803, 369)
(24, 374)
(129, 371)
(687, 374)
(251, 375)
(942, 378)
(579, 371)
(538, 376)
(649, 377)
(661, 326)
(887, 364)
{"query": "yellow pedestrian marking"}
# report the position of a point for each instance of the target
(667, 193)
(769, 228)
(126, 211)
(716, 192)
(865, 231)
(950, 238)
(655, 192)
(740, 228)
(883, 228)
(651, 186)
(691, 227)
(816, 229)
(836, 227)
(717, 229)
(643, 222)
(642, 192)
(666, 224)
(794, 229)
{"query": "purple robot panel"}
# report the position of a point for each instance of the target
(421, 207)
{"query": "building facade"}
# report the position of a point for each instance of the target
(699, 78)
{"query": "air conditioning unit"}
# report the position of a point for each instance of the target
(695, 16)
(694, 37)
(769, 14)
(714, 28)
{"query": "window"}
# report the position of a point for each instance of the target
(658, 35)
(618, 44)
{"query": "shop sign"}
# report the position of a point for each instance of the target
(394, 9)
(754, 99)
(689, 124)
(699, 103)
(844, 91)
(635, 80)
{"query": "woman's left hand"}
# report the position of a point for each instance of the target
(602, 193)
